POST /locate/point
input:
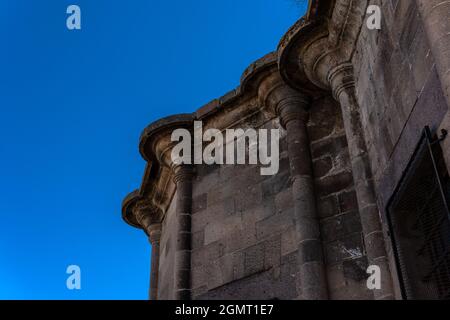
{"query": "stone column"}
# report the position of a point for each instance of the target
(436, 19)
(343, 86)
(154, 237)
(147, 217)
(292, 109)
(183, 180)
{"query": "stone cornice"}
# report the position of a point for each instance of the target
(309, 51)
(158, 185)
(128, 205)
(155, 139)
(319, 43)
(275, 95)
(140, 212)
(248, 86)
(303, 34)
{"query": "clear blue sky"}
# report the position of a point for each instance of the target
(73, 104)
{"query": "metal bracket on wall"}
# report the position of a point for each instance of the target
(444, 134)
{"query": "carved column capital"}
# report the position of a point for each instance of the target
(182, 173)
(282, 100)
(293, 108)
(154, 233)
(341, 79)
(146, 215)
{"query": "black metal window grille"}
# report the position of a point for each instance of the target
(419, 221)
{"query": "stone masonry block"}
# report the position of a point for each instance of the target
(327, 206)
(254, 259)
(347, 201)
(218, 229)
(334, 183)
(284, 201)
(212, 251)
(272, 252)
(322, 167)
(278, 222)
(289, 241)
(240, 238)
(340, 226)
(350, 247)
(248, 197)
(328, 146)
(198, 239)
(199, 203)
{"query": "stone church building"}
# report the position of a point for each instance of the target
(363, 177)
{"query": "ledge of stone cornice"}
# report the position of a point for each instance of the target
(128, 205)
(149, 135)
(170, 122)
(305, 31)
(248, 82)
(253, 70)
(316, 9)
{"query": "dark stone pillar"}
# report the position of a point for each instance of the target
(148, 217)
(294, 117)
(154, 237)
(183, 180)
(343, 86)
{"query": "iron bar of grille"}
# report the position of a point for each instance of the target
(430, 273)
(427, 201)
(430, 233)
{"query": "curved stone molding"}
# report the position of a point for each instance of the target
(274, 94)
(155, 139)
(312, 60)
(147, 215)
(248, 84)
(155, 145)
(128, 205)
(316, 45)
(257, 67)
(140, 212)
(341, 78)
(303, 34)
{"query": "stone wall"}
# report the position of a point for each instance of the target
(336, 203)
(398, 91)
(243, 224)
(243, 229)
(245, 242)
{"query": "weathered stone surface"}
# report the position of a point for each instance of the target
(369, 99)
(335, 183)
(340, 226)
(350, 247)
(348, 201)
(199, 203)
(270, 284)
(275, 223)
(327, 206)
